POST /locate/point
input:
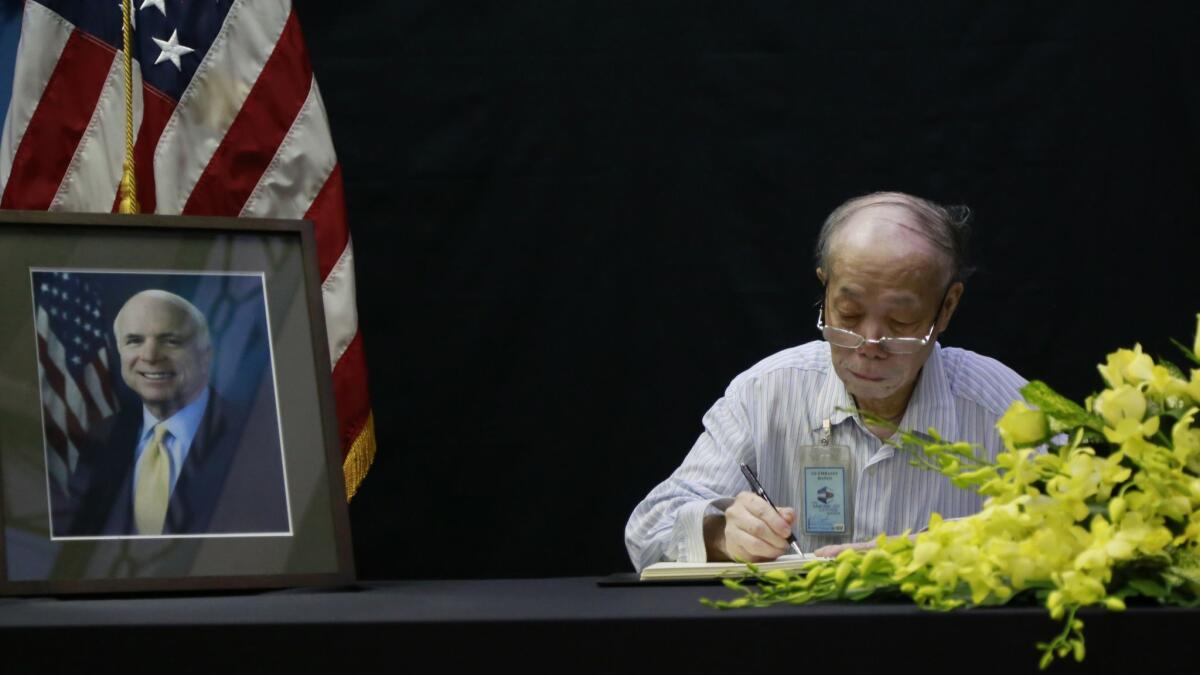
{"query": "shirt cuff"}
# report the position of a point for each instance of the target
(688, 535)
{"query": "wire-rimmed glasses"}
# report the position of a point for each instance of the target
(848, 339)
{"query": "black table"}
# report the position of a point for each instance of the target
(565, 625)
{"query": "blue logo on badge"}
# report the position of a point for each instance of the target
(824, 495)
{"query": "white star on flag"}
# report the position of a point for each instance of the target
(171, 49)
(154, 3)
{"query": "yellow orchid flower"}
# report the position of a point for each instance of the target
(1193, 386)
(1187, 441)
(1123, 408)
(1164, 386)
(925, 551)
(1082, 588)
(1122, 402)
(1196, 344)
(1140, 368)
(1116, 508)
(1022, 426)
(1068, 520)
(1129, 428)
(1111, 370)
(1176, 508)
(1127, 366)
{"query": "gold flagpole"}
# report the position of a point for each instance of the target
(129, 202)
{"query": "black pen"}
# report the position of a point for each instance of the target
(758, 490)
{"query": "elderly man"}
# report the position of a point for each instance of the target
(893, 267)
(183, 462)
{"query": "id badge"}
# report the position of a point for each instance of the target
(825, 495)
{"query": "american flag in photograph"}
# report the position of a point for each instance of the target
(228, 120)
(73, 352)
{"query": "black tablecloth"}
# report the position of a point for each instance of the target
(563, 625)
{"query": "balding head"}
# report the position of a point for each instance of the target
(946, 229)
(165, 348)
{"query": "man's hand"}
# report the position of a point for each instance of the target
(750, 531)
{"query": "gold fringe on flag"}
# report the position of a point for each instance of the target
(128, 189)
(358, 460)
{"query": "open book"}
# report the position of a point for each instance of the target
(664, 571)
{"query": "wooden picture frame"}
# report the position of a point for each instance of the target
(240, 373)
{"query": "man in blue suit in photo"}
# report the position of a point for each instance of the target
(185, 462)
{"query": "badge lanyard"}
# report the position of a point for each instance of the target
(826, 487)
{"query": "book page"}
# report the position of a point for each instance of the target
(715, 570)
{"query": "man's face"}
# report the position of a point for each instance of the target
(886, 280)
(160, 357)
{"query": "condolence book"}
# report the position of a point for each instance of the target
(679, 571)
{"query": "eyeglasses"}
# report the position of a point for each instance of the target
(840, 337)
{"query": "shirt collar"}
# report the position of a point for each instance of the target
(930, 400)
(183, 425)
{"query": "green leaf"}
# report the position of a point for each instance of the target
(859, 593)
(1173, 369)
(1191, 355)
(1148, 587)
(1174, 413)
(1059, 407)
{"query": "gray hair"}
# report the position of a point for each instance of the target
(203, 339)
(946, 227)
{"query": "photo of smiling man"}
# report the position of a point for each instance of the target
(180, 456)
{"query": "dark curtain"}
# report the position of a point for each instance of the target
(574, 223)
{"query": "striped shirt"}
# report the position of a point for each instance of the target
(778, 405)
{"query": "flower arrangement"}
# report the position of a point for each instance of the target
(1087, 505)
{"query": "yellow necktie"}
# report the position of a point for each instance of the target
(153, 490)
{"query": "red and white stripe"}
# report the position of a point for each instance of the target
(248, 137)
(70, 407)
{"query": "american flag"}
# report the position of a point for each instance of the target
(228, 120)
(73, 359)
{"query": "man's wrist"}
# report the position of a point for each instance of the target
(714, 538)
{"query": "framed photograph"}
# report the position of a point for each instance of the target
(166, 413)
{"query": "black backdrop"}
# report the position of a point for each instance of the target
(574, 223)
